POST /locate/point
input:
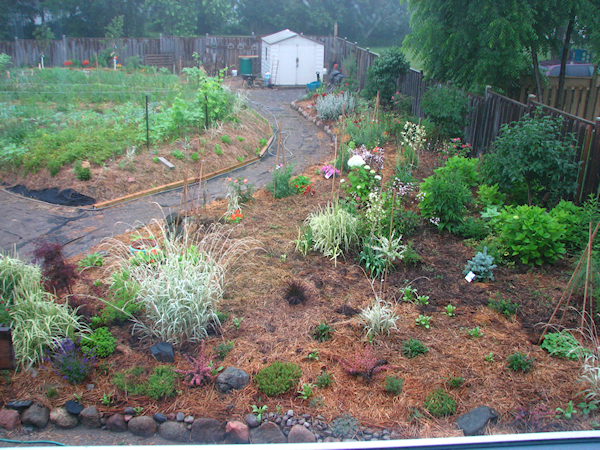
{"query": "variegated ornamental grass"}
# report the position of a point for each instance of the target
(181, 290)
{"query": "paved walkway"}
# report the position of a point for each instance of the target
(23, 221)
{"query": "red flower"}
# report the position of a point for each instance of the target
(85, 62)
(68, 63)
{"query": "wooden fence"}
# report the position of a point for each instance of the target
(487, 115)
(581, 96)
(215, 52)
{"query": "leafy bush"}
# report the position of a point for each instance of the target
(444, 199)
(58, 273)
(122, 303)
(278, 378)
(530, 159)
(448, 107)
(280, 186)
(413, 348)
(322, 332)
(439, 403)
(160, 383)
(563, 345)
(364, 131)
(531, 234)
(100, 343)
(73, 364)
(490, 195)
(332, 106)
(82, 173)
(519, 362)
(383, 73)
(482, 266)
(576, 220)
(334, 230)
(394, 385)
(468, 167)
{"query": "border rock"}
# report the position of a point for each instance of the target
(36, 415)
(143, 426)
(208, 431)
(174, 431)
(267, 433)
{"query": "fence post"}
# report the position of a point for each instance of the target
(64, 42)
(15, 54)
(530, 98)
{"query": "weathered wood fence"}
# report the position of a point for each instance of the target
(488, 114)
(215, 52)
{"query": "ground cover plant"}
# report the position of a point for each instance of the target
(388, 379)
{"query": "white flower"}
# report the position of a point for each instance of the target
(342, 180)
(367, 167)
(356, 161)
(358, 187)
(378, 177)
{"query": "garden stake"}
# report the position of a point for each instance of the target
(571, 285)
(147, 127)
(335, 148)
(387, 261)
(200, 184)
(281, 142)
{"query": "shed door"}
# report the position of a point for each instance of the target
(296, 65)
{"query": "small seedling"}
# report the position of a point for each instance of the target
(474, 333)
(393, 385)
(283, 258)
(107, 399)
(423, 321)
(92, 260)
(413, 348)
(225, 139)
(51, 392)
(489, 357)
(138, 410)
(454, 382)
(324, 380)
(306, 391)
(422, 300)
(314, 355)
(587, 408)
(449, 310)
(77, 397)
(240, 158)
(259, 411)
(155, 159)
(567, 413)
(218, 150)
(177, 154)
(195, 157)
(520, 362)
(223, 349)
(322, 332)
(214, 371)
(240, 138)
(408, 294)
(262, 142)
(237, 321)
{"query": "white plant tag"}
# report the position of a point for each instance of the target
(470, 277)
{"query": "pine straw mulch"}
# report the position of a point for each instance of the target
(273, 330)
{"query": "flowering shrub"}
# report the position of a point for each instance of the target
(301, 184)
(413, 136)
(68, 63)
(361, 179)
(243, 189)
(235, 217)
(71, 363)
(332, 106)
(454, 148)
(85, 62)
(401, 103)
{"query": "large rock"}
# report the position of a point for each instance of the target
(116, 423)
(61, 418)
(208, 431)
(174, 431)
(9, 419)
(299, 433)
(267, 433)
(36, 415)
(19, 405)
(143, 426)
(90, 418)
(237, 433)
(163, 352)
(232, 378)
(474, 422)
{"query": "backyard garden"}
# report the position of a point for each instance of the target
(380, 294)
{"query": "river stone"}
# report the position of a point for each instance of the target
(232, 378)
(19, 405)
(89, 417)
(474, 422)
(9, 419)
(208, 431)
(160, 417)
(267, 433)
(129, 411)
(299, 433)
(116, 423)
(252, 421)
(179, 417)
(36, 415)
(237, 433)
(143, 426)
(174, 431)
(73, 407)
(61, 418)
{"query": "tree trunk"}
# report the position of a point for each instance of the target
(538, 77)
(563, 60)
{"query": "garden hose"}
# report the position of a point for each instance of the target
(11, 441)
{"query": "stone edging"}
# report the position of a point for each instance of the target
(314, 120)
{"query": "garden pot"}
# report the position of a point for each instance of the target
(144, 246)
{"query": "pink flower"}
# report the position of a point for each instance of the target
(245, 180)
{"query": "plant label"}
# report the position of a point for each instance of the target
(470, 277)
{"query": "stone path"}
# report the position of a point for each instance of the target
(23, 221)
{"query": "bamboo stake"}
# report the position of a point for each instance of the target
(281, 142)
(335, 148)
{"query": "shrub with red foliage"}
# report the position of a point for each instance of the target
(365, 364)
(57, 272)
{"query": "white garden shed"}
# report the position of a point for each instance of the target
(291, 58)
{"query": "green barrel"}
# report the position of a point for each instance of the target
(246, 66)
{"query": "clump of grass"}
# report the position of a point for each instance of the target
(519, 362)
(378, 318)
(440, 404)
(296, 292)
(278, 378)
(413, 348)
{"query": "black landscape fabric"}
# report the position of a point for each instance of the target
(66, 197)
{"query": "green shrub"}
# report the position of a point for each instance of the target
(530, 160)
(324, 380)
(394, 385)
(223, 349)
(158, 384)
(576, 221)
(531, 234)
(413, 348)
(225, 139)
(444, 200)
(383, 73)
(439, 403)
(481, 265)
(448, 107)
(490, 195)
(280, 186)
(122, 302)
(467, 167)
(332, 106)
(364, 131)
(82, 173)
(278, 378)
(100, 343)
(322, 332)
(519, 362)
(563, 345)
(502, 306)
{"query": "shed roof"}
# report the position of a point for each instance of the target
(283, 35)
